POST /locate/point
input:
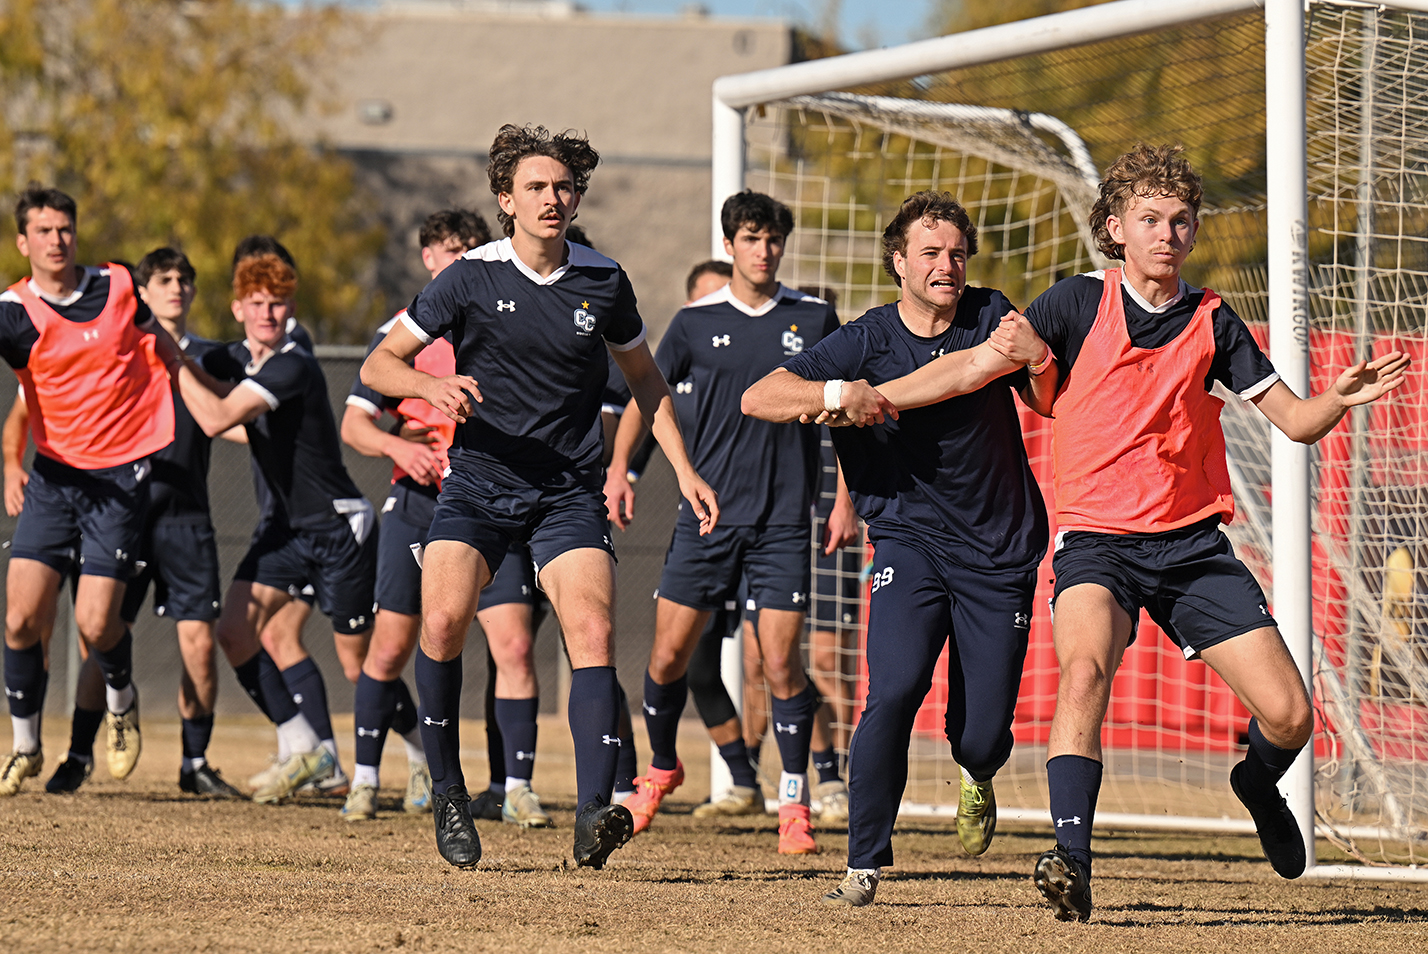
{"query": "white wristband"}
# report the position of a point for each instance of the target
(833, 395)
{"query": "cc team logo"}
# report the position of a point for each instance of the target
(792, 340)
(584, 321)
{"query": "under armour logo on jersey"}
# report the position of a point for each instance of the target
(684, 387)
(1073, 820)
(939, 352)
(367, 733)
(440, 725)
(90, 335)
(524, 756)
(610, 740)
(505, 305)
(649, 708)
(791, 728)
(1023, 621)
(721, 340)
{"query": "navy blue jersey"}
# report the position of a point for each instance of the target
(537, 346)
(953, 475)
(616, 396)
(268, 506)
(295, 442)
(364, 397)
(179, 487)
(18, 333)
(1064, 313)
(764, 473)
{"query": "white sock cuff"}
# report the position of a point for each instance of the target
(365, 775)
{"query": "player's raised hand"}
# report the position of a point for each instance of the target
(863, 405)
(1016, 340)
(1368, 381)
(453, 396)
(703, 499)
(620, 499)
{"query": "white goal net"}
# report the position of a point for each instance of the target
(1020, 141)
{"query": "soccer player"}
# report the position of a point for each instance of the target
(383, 700)
(953, 512)
(1142, 487)
(81, 343)
(722, 344)
(530, 318)
(323, 531)
(178, 555)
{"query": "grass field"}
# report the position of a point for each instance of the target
(135, 866)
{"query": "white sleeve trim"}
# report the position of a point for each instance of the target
(1250, 393)
(633, 343)
(263, 392)
(354, 400)
(415, 329)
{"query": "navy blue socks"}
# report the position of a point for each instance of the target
(1075, 784)
(517, 719)
(736, 755)
(664, 704)
(309, 693)
(439, 688)
(594, 726)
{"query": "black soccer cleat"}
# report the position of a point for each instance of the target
(1276, 826)
(1064, 883)
(599, 830)
(205, 780)
(70, 775)
(487, 806)
(456, 837)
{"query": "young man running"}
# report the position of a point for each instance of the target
(530, 318)
(82, 345)
(323, 531)
(954, 514)
(505, 607)
(766, 473)
(178, 555)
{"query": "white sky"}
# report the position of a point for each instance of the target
(883, 22)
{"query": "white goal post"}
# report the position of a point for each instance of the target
(1292, 293)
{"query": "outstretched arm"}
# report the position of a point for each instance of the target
(782, 397)
(960, 372)
(651, 394)
(1308, 420)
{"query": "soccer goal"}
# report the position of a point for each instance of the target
(1310, 125)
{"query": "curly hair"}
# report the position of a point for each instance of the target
(463, 225)
(756, 212)
(926, 207)
(1144, 172)
(264, 273)
(514, 143)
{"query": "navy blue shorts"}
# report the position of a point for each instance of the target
(514, 581)
(93, 516)
(1188, 580)
(406, 517)
(491, 517)
(836, 600)
(341, 569)
(704, 572)
(180, 558)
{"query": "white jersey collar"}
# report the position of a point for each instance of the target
(1146, 306)
(67, 300)
(726, 296)
(504, 251)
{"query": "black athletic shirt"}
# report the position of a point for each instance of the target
(1064, 313)
(295, 442)
(765, 474)
(18, 333)
(268, 506)
(537, 348)
(954, 475)
(178, 490)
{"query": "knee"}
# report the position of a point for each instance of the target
(1290, 723)
(1084, 674)
(384, 663)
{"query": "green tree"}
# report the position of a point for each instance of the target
(179, 123)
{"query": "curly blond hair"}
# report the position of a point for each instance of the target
(1144, 172)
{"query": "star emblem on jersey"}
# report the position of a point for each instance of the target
(505, 305)
(721, 340)
(584, 321)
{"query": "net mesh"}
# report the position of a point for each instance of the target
(1019, 142)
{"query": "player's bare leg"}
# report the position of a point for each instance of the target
(197, 694)
(1258, 667)
(97, 601)
(581, 586)
(1091, 632)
